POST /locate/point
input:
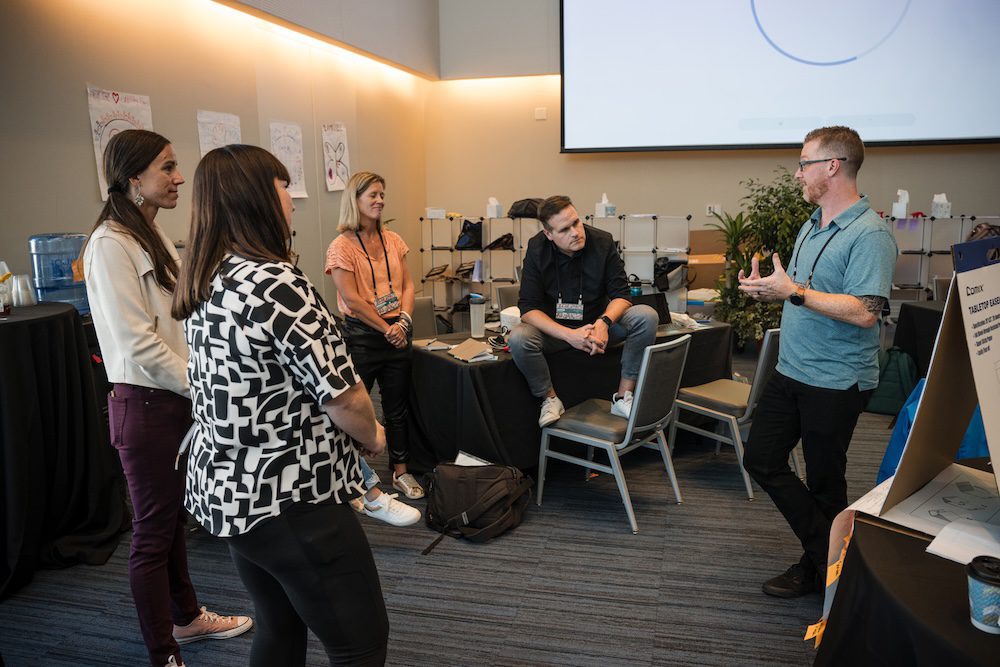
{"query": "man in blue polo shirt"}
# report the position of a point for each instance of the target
(834, 289)
(574, 294)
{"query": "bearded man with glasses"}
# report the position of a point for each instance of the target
(837, 283)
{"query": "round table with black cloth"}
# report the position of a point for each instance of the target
(62, 501)
(898, 605)
(486, 409)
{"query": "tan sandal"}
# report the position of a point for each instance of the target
(408, 486)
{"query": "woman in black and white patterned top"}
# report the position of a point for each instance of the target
(279, 418)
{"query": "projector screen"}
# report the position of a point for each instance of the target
(665, 74)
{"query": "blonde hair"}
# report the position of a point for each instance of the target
(350, 217)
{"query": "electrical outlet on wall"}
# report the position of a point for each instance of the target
(712, 209)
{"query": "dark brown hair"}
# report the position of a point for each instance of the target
(127, 155)
(236, 210)
(552, 206)
(840, 141)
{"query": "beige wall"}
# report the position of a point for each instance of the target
(400, 31)
(443, 143)
(498, 37)
(205, 56)
(483, 140)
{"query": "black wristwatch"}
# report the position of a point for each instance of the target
(607, 320)
(798, 297)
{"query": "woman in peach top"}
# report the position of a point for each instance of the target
(375, 295)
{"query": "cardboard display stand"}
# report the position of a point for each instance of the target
(965, 367)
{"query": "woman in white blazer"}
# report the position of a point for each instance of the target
(131, 270)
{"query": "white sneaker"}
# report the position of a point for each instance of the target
(393, 512)
(552, 409)
(622, 405)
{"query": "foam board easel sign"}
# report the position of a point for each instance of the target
(964, 369)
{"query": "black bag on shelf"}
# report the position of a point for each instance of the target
(471, 237)
(524, 208)
(664, 277)
(475, 502)
(505, 242)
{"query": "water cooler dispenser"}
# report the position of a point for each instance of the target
(52, 257)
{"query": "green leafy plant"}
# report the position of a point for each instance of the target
(774, 213)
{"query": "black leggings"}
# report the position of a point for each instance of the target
(312, 567)
(376, 359)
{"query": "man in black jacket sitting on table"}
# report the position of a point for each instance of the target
(574, 293)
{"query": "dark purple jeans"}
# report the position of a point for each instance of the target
(147, 426)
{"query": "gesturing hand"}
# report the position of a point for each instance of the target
(775, 287)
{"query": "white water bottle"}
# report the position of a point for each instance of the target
(477, 316)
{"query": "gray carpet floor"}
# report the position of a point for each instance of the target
(571, 586)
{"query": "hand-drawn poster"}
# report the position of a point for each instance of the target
(217, 129)
(286, 144)
(110, 113)
(336, 157)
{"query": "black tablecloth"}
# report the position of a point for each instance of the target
(487, 410)
(916, 329)
(898, 605)
(62, 500)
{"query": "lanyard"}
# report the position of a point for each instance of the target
(371, 266)
(795, 262)
(558, 282)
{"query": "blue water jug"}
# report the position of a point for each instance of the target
(52, 257)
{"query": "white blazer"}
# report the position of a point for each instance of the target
(140, 341)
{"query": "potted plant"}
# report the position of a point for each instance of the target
(775, 212)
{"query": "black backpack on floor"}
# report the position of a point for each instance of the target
(475, 502)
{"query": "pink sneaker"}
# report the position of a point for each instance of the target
(210, 625)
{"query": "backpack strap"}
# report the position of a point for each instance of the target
(498, 526)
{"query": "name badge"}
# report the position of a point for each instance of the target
(386, 303)
(569, 311)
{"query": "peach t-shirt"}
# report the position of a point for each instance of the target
(345, 253)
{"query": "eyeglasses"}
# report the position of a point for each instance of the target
(805, 163)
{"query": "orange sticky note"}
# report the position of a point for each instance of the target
(77, 270)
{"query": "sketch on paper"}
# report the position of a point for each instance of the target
(336, 157)
(286, 144)
(217, 129)
(961, 497)
(111, 112)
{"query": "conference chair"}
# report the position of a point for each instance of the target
(424, 325)
(591, 423)
(507, 295)
(732, 404)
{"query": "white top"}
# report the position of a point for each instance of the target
(140, 342)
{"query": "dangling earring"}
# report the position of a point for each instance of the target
(138, 199)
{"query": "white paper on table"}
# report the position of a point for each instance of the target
(217, 129)
(336, 157)
(963, 540)
(464, 459)
(112, 112)
(286, 144)
(958, 492)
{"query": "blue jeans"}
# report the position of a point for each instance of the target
(528, 347)
(371, 477)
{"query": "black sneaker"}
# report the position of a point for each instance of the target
(794, 583)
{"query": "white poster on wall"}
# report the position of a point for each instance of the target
(111, 112)
(286, 144)
(217, 129)
(335, 156)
